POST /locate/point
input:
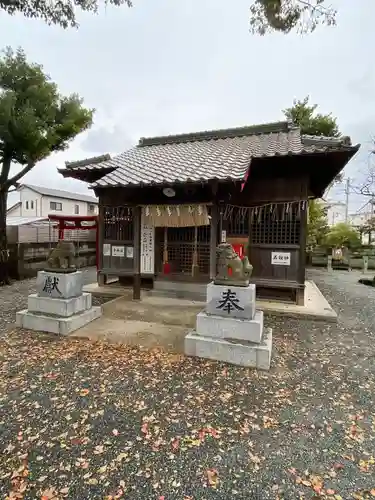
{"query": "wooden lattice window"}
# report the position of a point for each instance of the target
(181, 244)
(118, 223)
(237, 221)
(273, 224)
(277, 224)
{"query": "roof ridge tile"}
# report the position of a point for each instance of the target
(208, 135)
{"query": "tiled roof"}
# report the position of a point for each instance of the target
(58, 193)
(94, 163)
(203, 156)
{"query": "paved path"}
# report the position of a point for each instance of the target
(84, 420)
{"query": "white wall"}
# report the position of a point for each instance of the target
(34, 203)
(39, 205)
(67, 206)
(359, 219)
(336, 214)
(15, 212)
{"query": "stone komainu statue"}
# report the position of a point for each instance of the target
(227, 259)
(63, 256)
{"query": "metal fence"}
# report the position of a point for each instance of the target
(47, 233)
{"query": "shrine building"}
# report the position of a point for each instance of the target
(165, 205)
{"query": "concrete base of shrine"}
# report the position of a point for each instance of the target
(247, 354)
(316, 306)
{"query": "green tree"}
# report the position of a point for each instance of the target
(343, 235)
(35, 120)
(304, 114)
(62, 13)
(317, 224)
(285, 15)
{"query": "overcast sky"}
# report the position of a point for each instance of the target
(168, 66)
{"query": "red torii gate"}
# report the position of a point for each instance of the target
(70, 222)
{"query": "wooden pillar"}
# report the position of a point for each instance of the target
(213, 239)
(102, 279)
(195, 265)
(137, 213)
(300, 294)
(223, 223)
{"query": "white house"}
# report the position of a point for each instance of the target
(336, 212)
(37, 201)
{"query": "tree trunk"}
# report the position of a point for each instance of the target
(4, 253)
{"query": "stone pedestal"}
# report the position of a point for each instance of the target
(59, 285)
(59, 306)
(230, 329)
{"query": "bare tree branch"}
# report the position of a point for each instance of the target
(367, 187)
(13, 180)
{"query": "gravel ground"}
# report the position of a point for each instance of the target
(84, 420)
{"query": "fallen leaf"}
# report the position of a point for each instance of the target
(338, 466)
(212, 477)
(49, 494)
(175, 444)
(115, 432)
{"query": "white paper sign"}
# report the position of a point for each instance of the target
(118, 251)
(147, 249)
(107, 249)
(280, 258)
(129, 252)
(223, 236)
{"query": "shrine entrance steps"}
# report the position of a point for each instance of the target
(179, 290)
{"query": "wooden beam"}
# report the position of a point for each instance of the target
(101, 278)
(213, 239)
(302, 253)
(137, 212)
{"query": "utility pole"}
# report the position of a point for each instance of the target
(347, 191)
